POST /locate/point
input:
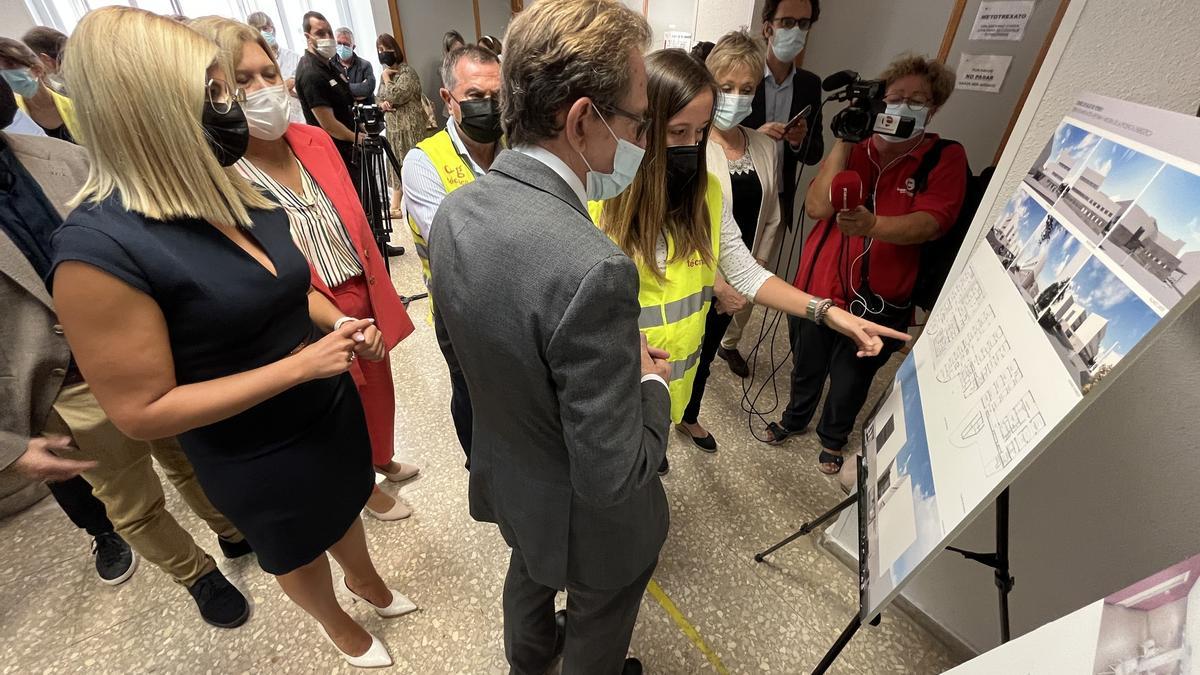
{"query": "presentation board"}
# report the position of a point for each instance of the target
(1098, 243)
(1151, 627)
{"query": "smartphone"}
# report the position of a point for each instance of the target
(799, 116)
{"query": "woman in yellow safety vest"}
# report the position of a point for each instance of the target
(673, 223)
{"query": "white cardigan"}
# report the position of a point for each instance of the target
(762, 155)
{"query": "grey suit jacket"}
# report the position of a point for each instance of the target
(33, 352)
(540, 310)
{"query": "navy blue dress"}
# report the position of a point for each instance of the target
(293, 472)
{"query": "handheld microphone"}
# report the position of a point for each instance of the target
(839, 79)
(846, 191)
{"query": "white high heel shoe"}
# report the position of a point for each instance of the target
(399, 606)
(376, 656)
(406, 472)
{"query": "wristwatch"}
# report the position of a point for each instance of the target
(817, 309)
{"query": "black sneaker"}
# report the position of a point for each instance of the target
(115, 561)
(234, 549)
(665, 467)
(220, 603)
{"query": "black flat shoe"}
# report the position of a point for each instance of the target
(664, 468)
(560, 631)
(707, 443)
(632, 667)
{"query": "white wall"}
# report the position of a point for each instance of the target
(1114, 499)
(1121, 632)
(15, 18)
(715, 18)
(978, 119)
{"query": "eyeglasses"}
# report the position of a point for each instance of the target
(221, 96)
(641, 122)
(788, 23)
(913, 102)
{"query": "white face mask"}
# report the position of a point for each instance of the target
(920, 117)
(326, 47)
(267, 111)
(788, 43)
(626, 160)
(731, 110)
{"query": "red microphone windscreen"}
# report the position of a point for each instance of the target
(846, 191)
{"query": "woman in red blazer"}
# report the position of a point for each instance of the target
(298, 166)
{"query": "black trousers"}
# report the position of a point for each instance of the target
(75, 498)
(715, 325)
(820, 353)
(599, 624)
(460, 396)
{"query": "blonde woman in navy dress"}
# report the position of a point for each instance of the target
(190, 312)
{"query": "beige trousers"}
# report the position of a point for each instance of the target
(733, 334)
(125, 481)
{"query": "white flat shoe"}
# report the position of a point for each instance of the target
(399, 511)
(406, 472)
(399, 607)
(376, 656)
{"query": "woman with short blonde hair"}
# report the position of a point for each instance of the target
(297, 166)
(190, 312)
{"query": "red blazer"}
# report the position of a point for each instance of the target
(316, 152)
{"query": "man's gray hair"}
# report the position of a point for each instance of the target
(344, 31)
(473, 52)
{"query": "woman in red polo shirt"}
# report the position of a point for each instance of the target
(299, 167)
(866, 260)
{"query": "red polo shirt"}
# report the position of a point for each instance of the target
(833, 259)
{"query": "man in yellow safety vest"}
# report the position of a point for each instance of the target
(448, 160)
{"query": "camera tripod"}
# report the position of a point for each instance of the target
(375, 153)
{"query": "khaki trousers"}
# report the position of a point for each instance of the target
(733, 334)
(124, 479)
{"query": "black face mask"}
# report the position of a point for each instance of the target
(387, 58)
(228, 133)
(683, 163)
(481, 119)
(8, 105)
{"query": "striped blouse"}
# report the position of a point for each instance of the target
(316, 227)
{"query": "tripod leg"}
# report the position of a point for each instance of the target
(807, 528)
(1004, 580)
(838, 645)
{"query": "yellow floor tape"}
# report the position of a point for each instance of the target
(688, 630)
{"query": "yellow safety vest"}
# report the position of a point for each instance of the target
(454, 173)
(66, 110)
(674, 309)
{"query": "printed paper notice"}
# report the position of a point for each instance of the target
(1004, 20)
(982, 72)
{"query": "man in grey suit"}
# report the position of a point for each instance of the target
(541, 312)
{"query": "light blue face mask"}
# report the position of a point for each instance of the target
(344, 52)
(919, 116)
(788, 43)
(23, 83)
(731, 110)
(270, 38)
(626, 160)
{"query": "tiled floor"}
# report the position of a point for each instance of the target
(779, 617)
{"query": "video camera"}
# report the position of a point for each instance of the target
(369, 117)
(866, 113)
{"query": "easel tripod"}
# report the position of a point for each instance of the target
(997, 560)
(374, 151)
